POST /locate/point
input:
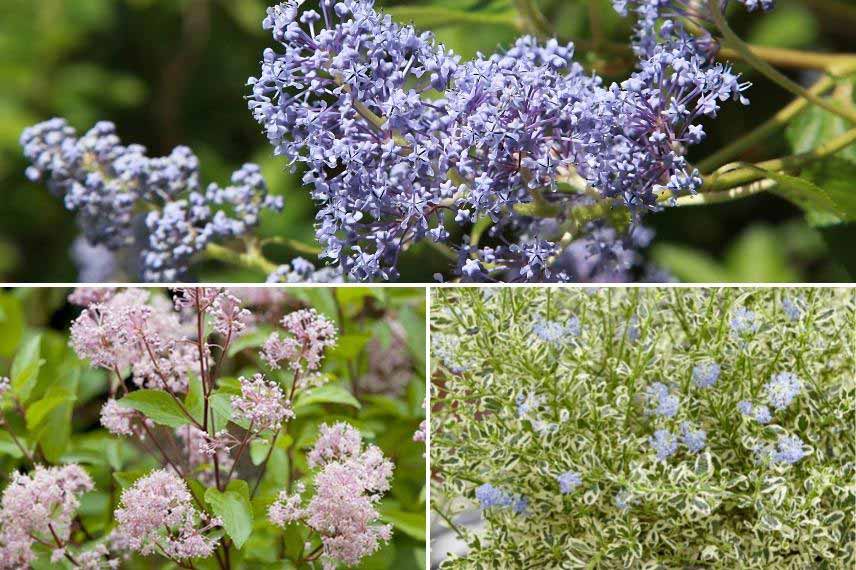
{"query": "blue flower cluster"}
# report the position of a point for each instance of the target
(760, 414)
(568, 481)
(743, 321)
(399, 138)
(792, 309)
(694, 439)
(554, 332)
(300, 270)
(660, 401)
(109, 185)
(490, 497)
(706, 374)
(782, 389)
(789, 450)
(665, 444)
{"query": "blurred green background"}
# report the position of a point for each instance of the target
(173, 72)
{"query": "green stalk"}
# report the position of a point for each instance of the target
(732, 40)
(249, 260)
(745, 175)
(766, 129)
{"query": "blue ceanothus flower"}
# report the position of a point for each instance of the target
(108, 185)
(706, 374)
(782, 389)
(400, 139)
(491, 497)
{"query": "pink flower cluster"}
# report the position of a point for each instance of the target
(156, 516)
(342, 511)
(262, 403)
(421, 432)
(119, 420)
(311, 333)
(200, 449)
(130, 330)
(5, 384)
(37, 507)
(85, 296)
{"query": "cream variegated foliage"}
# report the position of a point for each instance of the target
(515, 409)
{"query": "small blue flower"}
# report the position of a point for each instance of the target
(555, 332)
(792, 309)
(760, 414)
(569, 481)
(664, 443)
(706, 374)
(660, 401)
(490, 496)
(743, 321)
(782, 389)
(527, 403)
(695, 440)
(790, 450)
(622, 500)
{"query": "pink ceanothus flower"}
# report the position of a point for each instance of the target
(85, 296)
(156, 516)
(311, 333)
(119, 420)
(342, 510)
(200, 448)
(130, 330)
(39, 507)
(231, 319)
(262, 403)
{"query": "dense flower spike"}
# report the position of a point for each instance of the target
(106, 184)
(156, 514)
(347, 95)
(39, 507)
(350, 481)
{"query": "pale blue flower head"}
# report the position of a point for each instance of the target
(665, 444)
(695, 440)
(568, 481)
(706, 374)
(789, 450)
(782, 389)
(660, 401)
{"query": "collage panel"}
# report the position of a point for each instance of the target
(212, 428)
(652, 427)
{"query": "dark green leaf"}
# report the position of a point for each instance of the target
(234, 508)
(157, 405)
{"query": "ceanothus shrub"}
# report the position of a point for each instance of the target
(219, 435)
(646, 428)
(520, 165)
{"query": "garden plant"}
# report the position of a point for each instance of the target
(645, 428)
(525, 163)
(205, 428)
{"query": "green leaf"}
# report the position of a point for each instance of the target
(194, 400)
(411, 524)
(25, 367)
(11, 324)
(156, 405)
(815, 126)
(757, 256)
(327, 394)
(805, 194)
(688, 264)
(253, 339)
(128, 478)
(414, 325)
(37, 411)
(234, 508)
(52, 420)
(221, 405)
(349, 346)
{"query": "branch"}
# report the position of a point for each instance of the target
(733, 40)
